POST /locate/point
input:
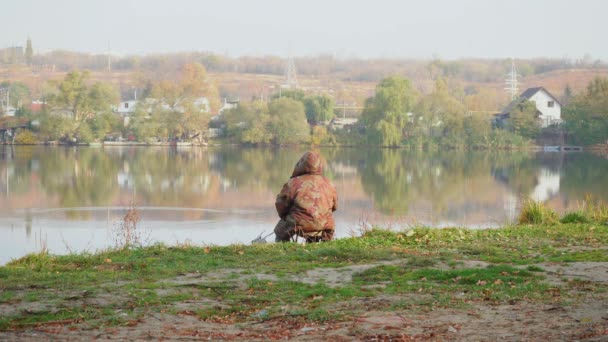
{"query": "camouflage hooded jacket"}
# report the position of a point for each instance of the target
(308, 197)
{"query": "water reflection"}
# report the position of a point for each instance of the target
(209, 189)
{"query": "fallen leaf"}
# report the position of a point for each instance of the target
(108, 261)
(497, 282)
(481, 282)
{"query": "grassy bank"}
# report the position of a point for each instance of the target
(422, 269)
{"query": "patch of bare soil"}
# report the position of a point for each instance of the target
(585, 318)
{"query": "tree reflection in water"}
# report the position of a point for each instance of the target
(438, 186)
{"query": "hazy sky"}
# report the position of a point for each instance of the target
(380, 28)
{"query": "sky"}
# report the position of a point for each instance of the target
(448, 29)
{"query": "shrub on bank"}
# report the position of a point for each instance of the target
(25, 138)
(533, 212)
(590, 211)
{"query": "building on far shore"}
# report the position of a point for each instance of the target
(548, 108)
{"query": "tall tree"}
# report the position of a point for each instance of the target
(319, 108)
(442, 113)
(288, 121)
(386, 113)
(82, 103)
(75, 97)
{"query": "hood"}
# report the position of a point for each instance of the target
(311, 163)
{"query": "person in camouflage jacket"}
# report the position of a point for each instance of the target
(306, 203)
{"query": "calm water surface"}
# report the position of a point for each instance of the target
(72, 199)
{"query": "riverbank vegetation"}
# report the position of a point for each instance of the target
(442, 110)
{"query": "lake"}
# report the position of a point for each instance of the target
(73, 199)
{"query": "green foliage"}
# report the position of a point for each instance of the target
(586, 116)
(84, 133)
(56, 127)
(574, 217)
(282, 121)
(477, 130)
(524, 120)
(74, 96)
(501, 139)
(104, 124)
(319, 108)
(534, 212)
(385, 115)
(320, 136)
(288, 121)
(441, 114)
(249, 123)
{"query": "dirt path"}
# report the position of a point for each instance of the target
(585, 318)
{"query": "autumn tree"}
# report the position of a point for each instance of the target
(82, 103)
(74, 96)
(183, 106)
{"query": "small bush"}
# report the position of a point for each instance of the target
(575, 217)
(534, 212)
(127, 234)
(25, 138)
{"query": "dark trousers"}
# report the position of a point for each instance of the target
(286, 230)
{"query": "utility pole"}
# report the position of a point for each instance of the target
(291, 79)
(511, 82)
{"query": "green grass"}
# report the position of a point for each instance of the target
(533, 212)
(575, 217)
(142, 280)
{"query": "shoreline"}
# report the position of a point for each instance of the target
(536, 148)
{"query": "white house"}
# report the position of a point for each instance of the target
(229, 104)
(126, 108)
(341, 123)
(549, 110)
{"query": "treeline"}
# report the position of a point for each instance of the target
(346, 69)
(285, 119)
(78, 110)
(398, 115)
(586, 115)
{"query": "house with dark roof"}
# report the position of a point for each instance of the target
(548, 108)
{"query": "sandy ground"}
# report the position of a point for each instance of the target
(585, 318)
